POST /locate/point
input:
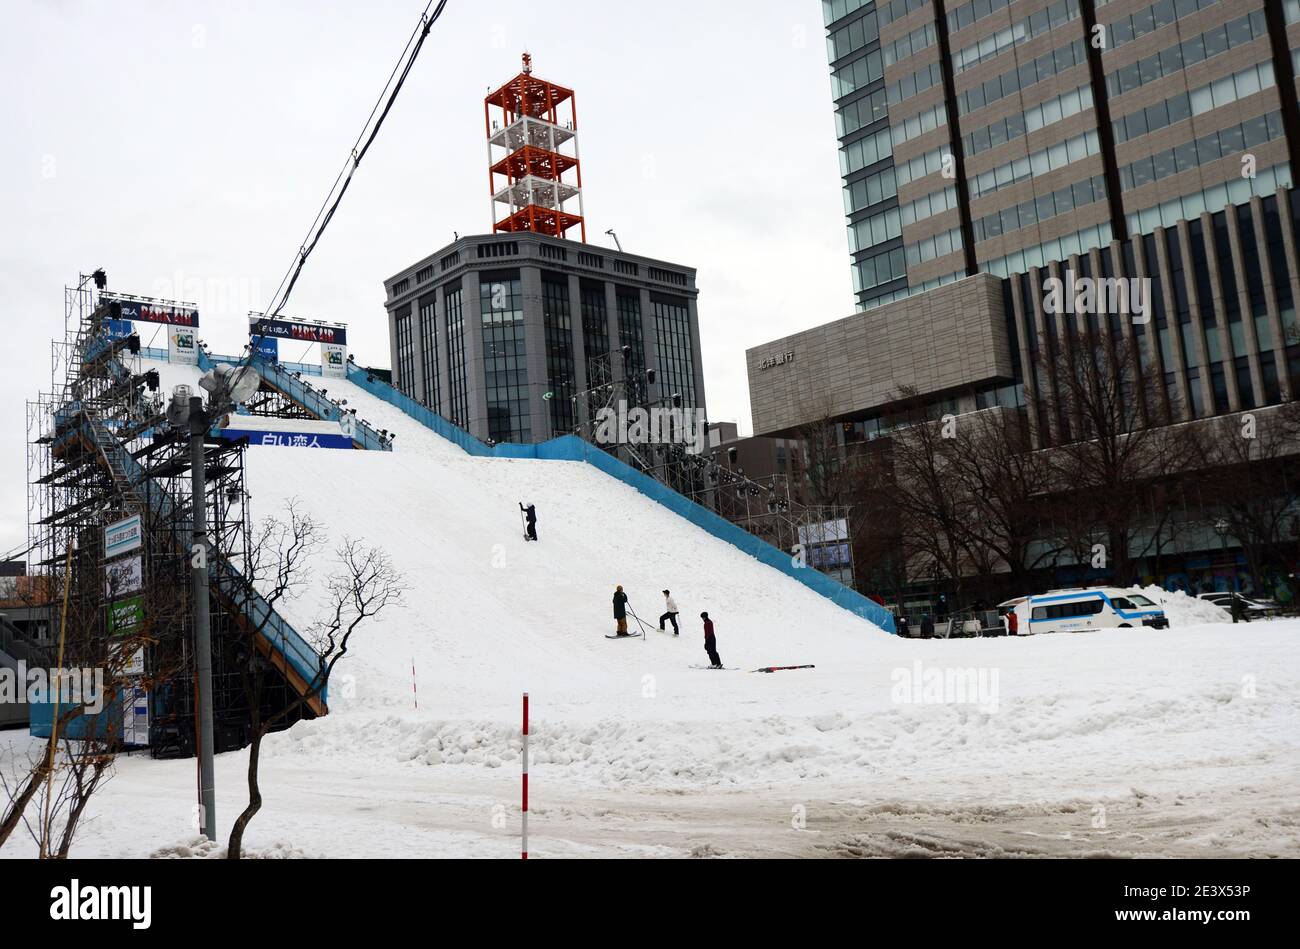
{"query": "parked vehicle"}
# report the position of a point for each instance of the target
(1067, 611)
(1252, 608)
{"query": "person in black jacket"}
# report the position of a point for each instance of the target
(530, 515)
(620, 610)
(927, 626)
(710, 643)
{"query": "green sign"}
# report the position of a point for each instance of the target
(125, 617)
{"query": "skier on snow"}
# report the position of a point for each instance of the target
(620, 610)
(710, 644)
(530, 515)
(670, 612)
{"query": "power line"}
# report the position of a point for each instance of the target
(367, 137)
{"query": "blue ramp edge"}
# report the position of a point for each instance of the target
(572, 448)
(279, 376)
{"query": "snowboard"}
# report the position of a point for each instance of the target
(628, 636)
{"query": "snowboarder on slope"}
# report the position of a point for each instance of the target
(710, 644)
(670, 612)
(530, 515)
(620, 610)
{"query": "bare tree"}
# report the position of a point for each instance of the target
(1253, 491)
(1003, 479)
(364, 585)
(1107, 455)
(86, 732)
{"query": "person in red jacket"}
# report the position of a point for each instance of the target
(1013, 622)
(710, 644)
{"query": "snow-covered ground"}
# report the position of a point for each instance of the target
(1182, 741)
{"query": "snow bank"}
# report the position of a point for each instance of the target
(1184, 610)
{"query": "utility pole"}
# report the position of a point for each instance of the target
(198, 422)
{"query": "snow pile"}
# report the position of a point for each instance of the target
(200, 848)
(1184, 610)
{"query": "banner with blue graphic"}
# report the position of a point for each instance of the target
(117, 329)
(268, 347)
(288, 439)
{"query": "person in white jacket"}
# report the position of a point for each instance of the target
(670, 612)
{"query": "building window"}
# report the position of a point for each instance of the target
(429, 350)
(629, 335)
(676, 360)
(501, 309)
(405, 354)
(595, 329)
(559, 352)
(667, 276)
(498, 249)
(453, 303)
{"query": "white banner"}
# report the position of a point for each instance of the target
(122, 537)
(135, 717)
(182, 346)
(334, 360)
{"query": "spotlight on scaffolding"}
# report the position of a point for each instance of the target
(228, 386)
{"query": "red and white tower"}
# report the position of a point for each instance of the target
(533, 167)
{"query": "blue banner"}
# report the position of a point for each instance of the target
(268, 347)
(288, 439)
(118, 329)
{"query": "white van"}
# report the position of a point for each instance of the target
(1072, 611)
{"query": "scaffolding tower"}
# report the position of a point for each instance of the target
(100, 452)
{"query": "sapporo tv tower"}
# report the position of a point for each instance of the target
(530, 171)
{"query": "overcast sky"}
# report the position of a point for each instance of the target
(185, 147)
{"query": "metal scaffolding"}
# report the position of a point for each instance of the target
(99, 453)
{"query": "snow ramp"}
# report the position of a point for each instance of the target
(488, 610)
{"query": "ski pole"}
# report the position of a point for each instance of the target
(638, 621)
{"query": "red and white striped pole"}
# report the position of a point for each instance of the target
(414, 696)
(524, 761)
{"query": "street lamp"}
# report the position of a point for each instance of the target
(227, 386)
(1221, 528)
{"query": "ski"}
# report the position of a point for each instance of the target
(716, 668)
(625, 636)
(782, 668)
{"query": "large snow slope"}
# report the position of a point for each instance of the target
(489, 615)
